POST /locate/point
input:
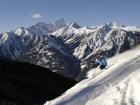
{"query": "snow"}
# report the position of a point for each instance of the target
(86, 41)
(117, 85)
(73, 28)
(115, 25)
(52, 43)
(19, 32)
(3, 38)
(132, 28)
(81, 53)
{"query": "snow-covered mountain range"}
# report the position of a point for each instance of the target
(67, 48)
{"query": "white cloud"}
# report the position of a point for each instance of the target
(36, 16)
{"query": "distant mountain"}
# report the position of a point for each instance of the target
(85, 41)
(27, 84)
(13, 43)
(65, 48)
(43, 28)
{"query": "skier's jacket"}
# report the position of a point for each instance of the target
(101, 61)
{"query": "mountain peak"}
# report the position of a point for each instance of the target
(115, 24)
(50, 27)
(21, 30)
(41, 24)
(74, 24)
(104, 27)
(60, 22)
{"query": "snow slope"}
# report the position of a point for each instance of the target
(117, 85)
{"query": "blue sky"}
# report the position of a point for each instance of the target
(15, 13)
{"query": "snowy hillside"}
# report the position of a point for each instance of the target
(117, 85)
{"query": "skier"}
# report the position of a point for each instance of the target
(100, 61)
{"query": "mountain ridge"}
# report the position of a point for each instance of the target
(68, 43)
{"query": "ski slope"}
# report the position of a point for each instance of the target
(117, 85)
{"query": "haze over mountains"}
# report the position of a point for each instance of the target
(67, 48)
